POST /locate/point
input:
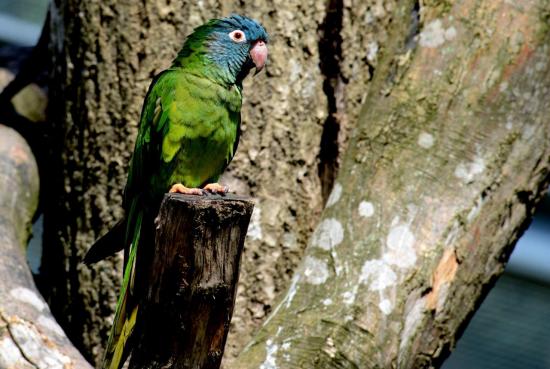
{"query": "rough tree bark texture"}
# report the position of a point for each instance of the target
(184, 318)
(105, 54)
(29, 336)
(450, 155)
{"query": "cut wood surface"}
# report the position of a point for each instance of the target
(29, 335)
(184, 320)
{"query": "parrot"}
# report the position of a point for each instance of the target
(188, 134)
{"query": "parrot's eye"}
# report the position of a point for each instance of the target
(237, 36)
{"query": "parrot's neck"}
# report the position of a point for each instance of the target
(203, 65)
(212, 63)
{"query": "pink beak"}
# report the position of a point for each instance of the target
(258, 53)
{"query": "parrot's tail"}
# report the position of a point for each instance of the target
(107, 245)
(119, 347)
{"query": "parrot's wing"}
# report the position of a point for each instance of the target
(118, 347)
(146, 148)
(163, 125)
(121, 234)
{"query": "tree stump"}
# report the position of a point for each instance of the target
(193, 277)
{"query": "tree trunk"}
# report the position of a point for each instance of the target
(29, 336)
(449, 157)
(184, 317)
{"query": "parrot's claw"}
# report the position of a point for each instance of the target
(179, 188)
(215, 188)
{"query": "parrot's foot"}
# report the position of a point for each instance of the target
(179, 188)
(216, 188)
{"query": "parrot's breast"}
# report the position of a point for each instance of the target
(203, 132)
(204, 157)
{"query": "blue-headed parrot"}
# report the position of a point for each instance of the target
(188, 133)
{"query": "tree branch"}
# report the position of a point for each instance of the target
(450, 157)
(29, 335)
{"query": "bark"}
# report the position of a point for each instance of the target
(29, 335)
(450, 155)
(184, 319)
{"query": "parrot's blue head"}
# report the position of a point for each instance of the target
(234, 44)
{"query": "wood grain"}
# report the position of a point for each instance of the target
(191, 289)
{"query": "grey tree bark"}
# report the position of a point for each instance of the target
(29, 335)
(450, 155)
(434, 86)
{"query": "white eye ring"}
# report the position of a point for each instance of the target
(237, 36)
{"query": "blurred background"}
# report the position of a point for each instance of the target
(21, 21)
(511, 330)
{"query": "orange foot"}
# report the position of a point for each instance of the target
(179, 188)
(216, 188)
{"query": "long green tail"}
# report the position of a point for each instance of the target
(117, 349)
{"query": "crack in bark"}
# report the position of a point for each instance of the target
(330, 55)
(15, 342)
(407, 45)
(414, 28)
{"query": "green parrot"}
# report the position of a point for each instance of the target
(189, 131)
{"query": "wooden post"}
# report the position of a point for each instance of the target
(191, 290)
